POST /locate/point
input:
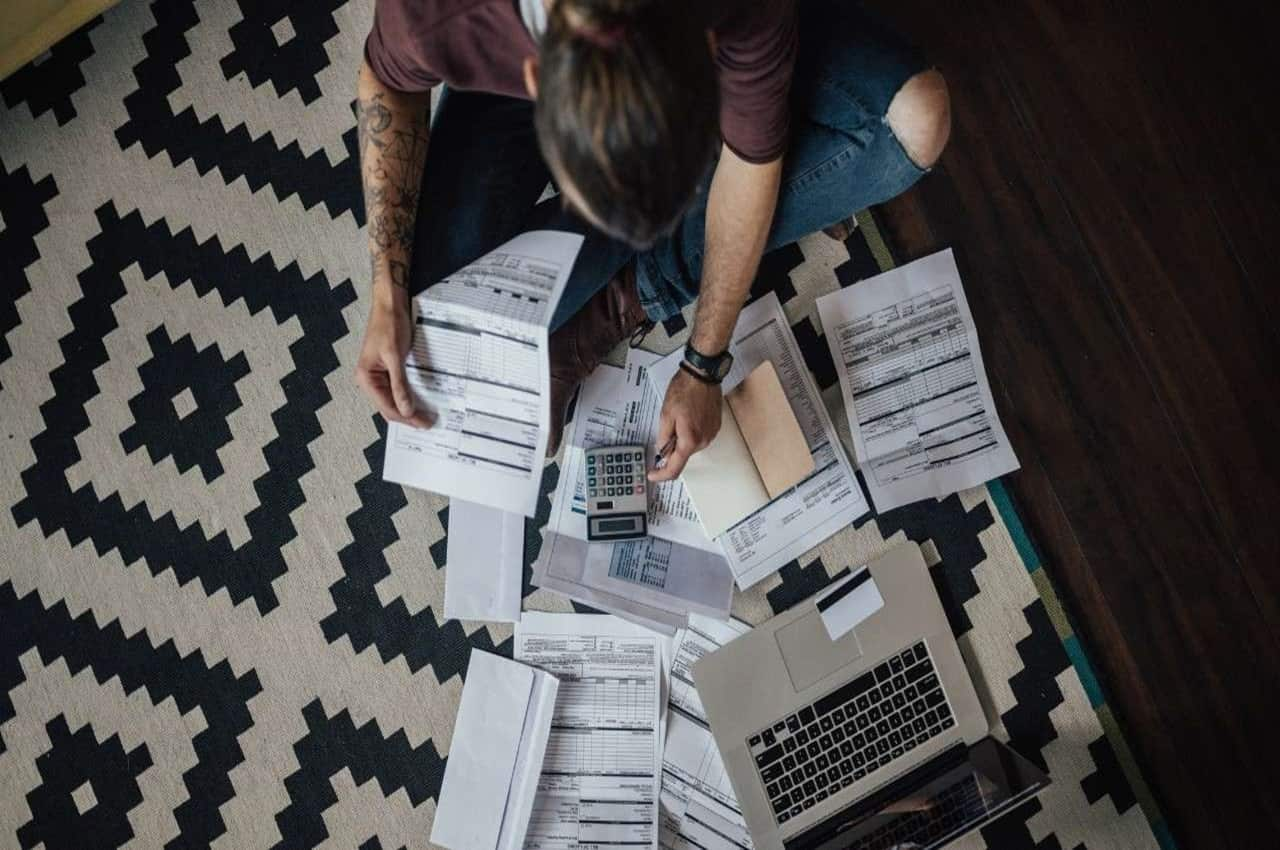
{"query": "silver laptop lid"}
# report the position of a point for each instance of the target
(936, 803)
(791, 662)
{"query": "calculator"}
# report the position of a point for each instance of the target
(617, 504)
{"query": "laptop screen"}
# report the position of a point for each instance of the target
(935, 803)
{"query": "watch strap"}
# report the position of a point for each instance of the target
(709, 364)
(689, 368)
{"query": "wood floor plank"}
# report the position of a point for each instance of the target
(1123, 165)
(1128, 501)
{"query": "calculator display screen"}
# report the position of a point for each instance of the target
(609, 525)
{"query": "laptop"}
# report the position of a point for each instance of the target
(874, 739)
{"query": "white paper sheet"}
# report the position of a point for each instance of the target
(478, 363)
(848, 602)
(599, 782)
(652, 582)
(699, 809)
(822, 504)
(499, 740)
(915, 389)
(617, 406)
(484, 558)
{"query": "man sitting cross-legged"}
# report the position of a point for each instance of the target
(685, 138)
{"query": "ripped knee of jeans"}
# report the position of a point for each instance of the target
(920, 117)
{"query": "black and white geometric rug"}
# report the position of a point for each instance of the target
(217, 623)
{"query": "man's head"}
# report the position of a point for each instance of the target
(626, 112)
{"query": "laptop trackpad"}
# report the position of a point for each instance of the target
(809, 653)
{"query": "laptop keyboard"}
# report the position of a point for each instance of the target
(851, 733)
(938, 818)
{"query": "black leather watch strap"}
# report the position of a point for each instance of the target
(713, 366)
(687, 367)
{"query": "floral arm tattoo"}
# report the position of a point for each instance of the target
(393, 150)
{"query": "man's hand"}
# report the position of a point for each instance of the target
(690, 412)
(392, 131)
(739, 212)
(380, 367)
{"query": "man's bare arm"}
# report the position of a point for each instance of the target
(393, 128)
(739, 214)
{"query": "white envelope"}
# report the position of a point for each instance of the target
(483, 563)
(499, 740)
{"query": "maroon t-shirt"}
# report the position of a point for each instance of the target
(480, 45)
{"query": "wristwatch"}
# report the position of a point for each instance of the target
(710, 368)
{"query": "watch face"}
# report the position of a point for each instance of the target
(723, 367)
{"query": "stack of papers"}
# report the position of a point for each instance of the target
(599, 784)
(595, 734)
(657, 581)
(823, 503)
(478, 364)
(915, 390)
(698, 805)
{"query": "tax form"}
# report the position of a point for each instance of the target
(820, 505)
(478, 363)
(699, 809)
(599, 782)
(618, 407)
(915, 390)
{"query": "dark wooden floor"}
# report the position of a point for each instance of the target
(1112, 191)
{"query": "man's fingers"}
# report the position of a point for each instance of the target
(404, 399)
(673, 467)
(666, 430)
(377, 385)
(400, 389)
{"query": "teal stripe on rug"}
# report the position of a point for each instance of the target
(1084, 670)
(999, 495)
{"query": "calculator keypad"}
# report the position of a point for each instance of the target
(611, 474)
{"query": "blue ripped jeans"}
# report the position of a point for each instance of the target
(484, 175)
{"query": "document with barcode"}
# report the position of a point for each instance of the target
(478, 365)
(915, 390)
(599, 784)
(699, 808)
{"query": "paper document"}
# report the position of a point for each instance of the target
(820, 505)
(484, 563)
(699, 809)
(617, 407)
(652, 582)
(499, 740)
(915, 390)
(758, 454)
(655, 581)
(599, 783)
(478, 364)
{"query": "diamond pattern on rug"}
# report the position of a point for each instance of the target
(217, 622)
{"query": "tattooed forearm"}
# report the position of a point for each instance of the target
(392, 138)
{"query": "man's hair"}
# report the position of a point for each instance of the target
(628, 109)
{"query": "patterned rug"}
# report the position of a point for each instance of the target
(217, 623)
